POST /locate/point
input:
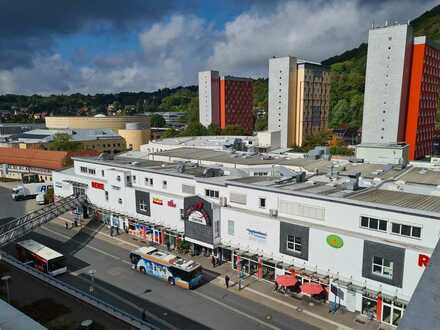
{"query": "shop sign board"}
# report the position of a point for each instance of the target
(197, 217)
(171, 203)
(157, 201)
(335, 241)
(97, 185)
(256, 234)
(423, 260)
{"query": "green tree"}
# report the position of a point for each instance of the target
(320, 138)
(170, 133)
(157, 121)
(63, 142)
(214, 129)
(233, 130)
(195, 129)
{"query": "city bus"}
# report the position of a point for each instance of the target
(41, 257)
(184, 273)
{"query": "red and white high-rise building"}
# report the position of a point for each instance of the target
(225, 101)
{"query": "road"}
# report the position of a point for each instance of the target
(208, 307)
(11, 208)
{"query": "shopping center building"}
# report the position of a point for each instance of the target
(365, 233)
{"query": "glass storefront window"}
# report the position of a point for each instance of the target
(369, 307)
(268, 272)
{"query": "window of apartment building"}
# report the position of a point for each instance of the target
(118, 178)
(92, 171)
(102, 173)
(164, 184)
(106, 195)
(211, 193)
(260, 173)
(382, 267)
(83, 169)
(231, 227)
(294, 243)
(262, 202)
(134, 178)
(406, 230)
(120, 200)
(373, 223)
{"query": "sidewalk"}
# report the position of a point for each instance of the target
(262, 292)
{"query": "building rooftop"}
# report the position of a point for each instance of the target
(400, 199)
(46, 135)
(422, 176)
(203, 141)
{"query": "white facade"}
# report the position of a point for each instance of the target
(386, 84)
(282, 97)
(259, 220)
(209, 94)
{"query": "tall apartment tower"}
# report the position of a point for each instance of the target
(225, 101)
(282, 98)
(386, 84)
(313, 100)
(236, 103)
(299, 99)
(209, 98)
(423, 97)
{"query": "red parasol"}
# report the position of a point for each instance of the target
(312, 288)
(286, 280)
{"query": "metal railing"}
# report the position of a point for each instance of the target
(19, 227)
(81, 295)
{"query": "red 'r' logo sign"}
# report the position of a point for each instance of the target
(423, 260)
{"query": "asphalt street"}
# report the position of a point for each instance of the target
(207, 307)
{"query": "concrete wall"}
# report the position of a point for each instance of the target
(209, 98)
(282, 98)
(386, 90)
(113, 122)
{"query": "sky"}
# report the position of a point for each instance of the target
(109, 46)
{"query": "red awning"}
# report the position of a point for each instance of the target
(312, 288)
(286, 280)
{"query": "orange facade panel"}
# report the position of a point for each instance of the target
(222, 108)
(415, 90)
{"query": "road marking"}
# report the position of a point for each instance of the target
(86, 246)
(131, 304)
(270, 326)
(304, 311)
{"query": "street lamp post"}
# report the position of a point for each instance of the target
(92, 274)
(6, 279)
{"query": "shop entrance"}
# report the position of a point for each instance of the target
(392, 312)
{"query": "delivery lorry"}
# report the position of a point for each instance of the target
(29, 190)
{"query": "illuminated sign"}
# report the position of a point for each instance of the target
(197, 217)
(97, 185)
(171, 203)
(157, 201)
(256, 234)
(335, 241)
(197, 214)
(423, 260)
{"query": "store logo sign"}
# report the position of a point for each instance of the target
(97, 185)
(197, 217)
(335, 241)
(171, 203)
(157, 201)
(423, 260)
(256, 234)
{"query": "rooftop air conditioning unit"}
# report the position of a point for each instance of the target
(273, 212)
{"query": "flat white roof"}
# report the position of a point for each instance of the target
(39, 249)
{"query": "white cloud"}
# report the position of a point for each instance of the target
(311, 30)
(173, 51)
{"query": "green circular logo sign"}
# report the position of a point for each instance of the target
(335, 241)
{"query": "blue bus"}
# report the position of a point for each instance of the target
(184, 273)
